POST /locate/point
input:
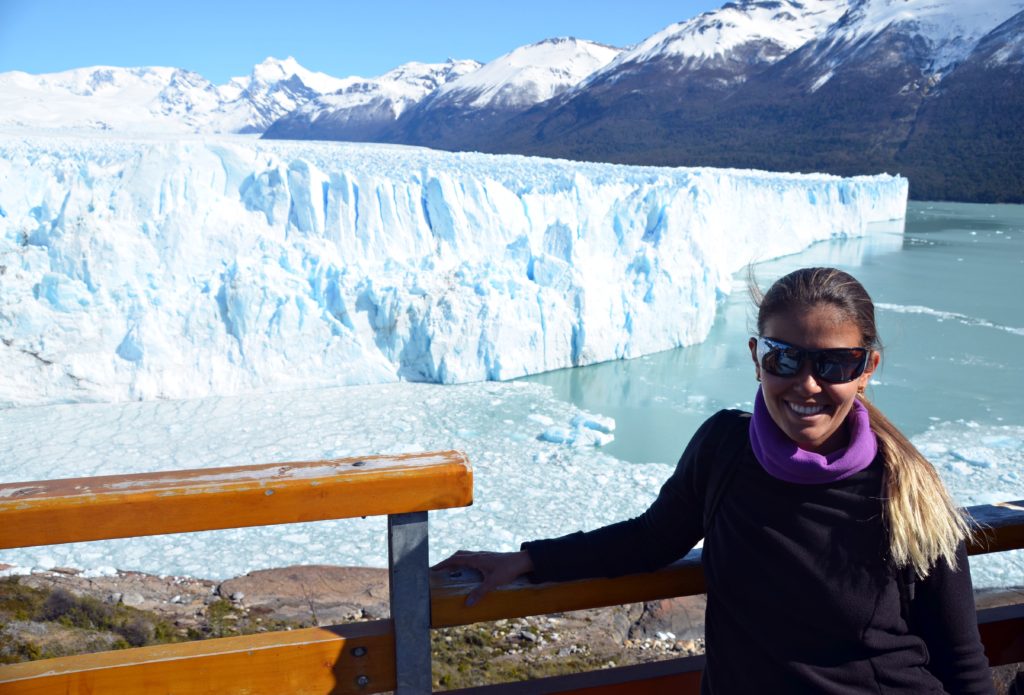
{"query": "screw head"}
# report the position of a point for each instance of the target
(359, 651)
(362, 681)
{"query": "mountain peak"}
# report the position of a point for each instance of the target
(712, 35)
(528, 74)
(273, 70)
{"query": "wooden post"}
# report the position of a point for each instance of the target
(410, 601)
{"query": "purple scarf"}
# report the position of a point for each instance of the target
(782, 458)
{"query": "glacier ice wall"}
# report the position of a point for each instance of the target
(140, 268)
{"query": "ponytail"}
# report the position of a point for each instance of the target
(923, 522)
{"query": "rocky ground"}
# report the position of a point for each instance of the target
(62, 612)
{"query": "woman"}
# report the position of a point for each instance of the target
(835, 560)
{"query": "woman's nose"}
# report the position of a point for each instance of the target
(806, 382)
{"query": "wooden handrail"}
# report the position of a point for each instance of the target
(361, 657)
(521, 598)
(396, 653)
(121, 506)
(352, 658)
(998, 527)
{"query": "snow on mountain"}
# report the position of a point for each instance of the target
(158, 99)
(784, 24)
(400, 88)
(107, 98)
(273, 89)
(141, 268)
(527, 75)
(362, 108)
(1003, 45)
(738, 37)
(272, 70)
(934, 35)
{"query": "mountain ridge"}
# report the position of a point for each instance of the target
(841, 86)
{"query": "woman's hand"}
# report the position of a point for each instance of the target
(497, 569)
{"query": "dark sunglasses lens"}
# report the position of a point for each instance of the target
(841, 366)
(782, 360)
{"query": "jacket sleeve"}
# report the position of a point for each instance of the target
(669, 528)
(943, 615)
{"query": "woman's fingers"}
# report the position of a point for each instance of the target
(455, 560)
(496, 569)
(465, 558)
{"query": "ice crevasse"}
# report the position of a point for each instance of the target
(152, 267)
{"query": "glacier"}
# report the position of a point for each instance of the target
(158, 267)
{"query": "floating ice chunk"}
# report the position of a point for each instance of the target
(587, 437)
(557, 435)
(978, 458)
(961, 467)
(599, 423)
(580, 433)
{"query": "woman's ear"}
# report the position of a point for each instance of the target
(873, 362)
(752, 344)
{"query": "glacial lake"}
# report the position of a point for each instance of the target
(949, 292)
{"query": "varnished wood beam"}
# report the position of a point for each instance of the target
(522, 598)
(352, 658)
(120, 506)
(999, 527)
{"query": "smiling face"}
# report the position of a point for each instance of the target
(809, 411)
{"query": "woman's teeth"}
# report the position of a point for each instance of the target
(806, 409)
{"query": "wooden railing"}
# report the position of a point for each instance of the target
(998, 528)
(367, 657)
(356, 658)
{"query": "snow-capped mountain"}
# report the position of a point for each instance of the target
(107, 98)
(848, 87)
(465, 113)
(159, 99)
(526, 76)
(844, 86)
(930, 38)
(729, 43)
(463, 101)
(363, 109)
(273, 89)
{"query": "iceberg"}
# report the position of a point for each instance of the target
(158, 267)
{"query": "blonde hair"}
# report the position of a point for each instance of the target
(923, 523)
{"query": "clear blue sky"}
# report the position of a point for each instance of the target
(223, 39)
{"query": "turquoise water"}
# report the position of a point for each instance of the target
(949, 291)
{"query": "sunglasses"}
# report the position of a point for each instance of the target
(835, 365)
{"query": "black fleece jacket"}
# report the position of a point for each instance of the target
(801, 595)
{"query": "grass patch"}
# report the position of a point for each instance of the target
(42, 624)
(503, 651)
